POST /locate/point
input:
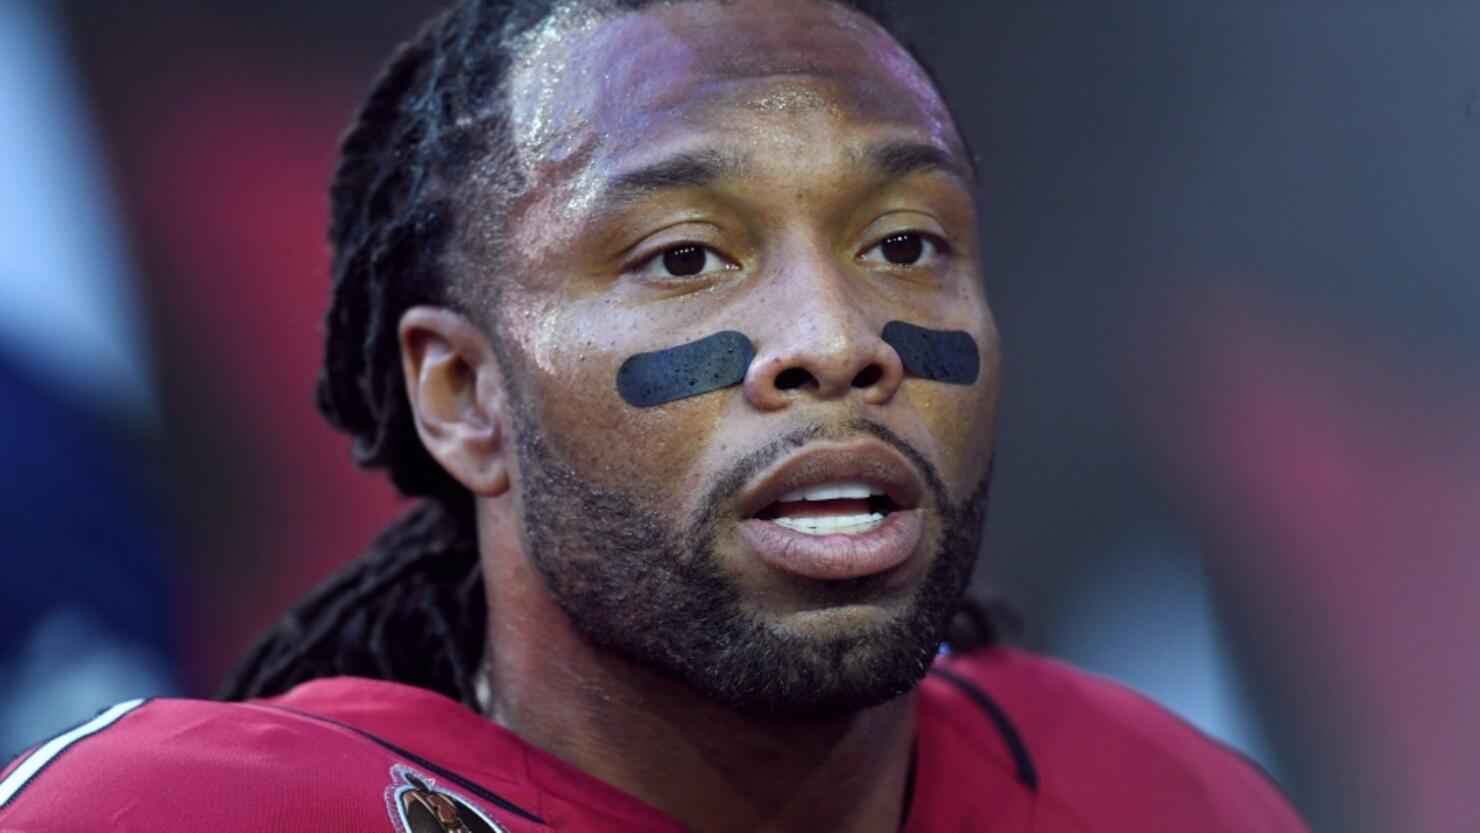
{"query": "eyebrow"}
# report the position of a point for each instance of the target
(690, 169)
(899, 158)
(893, 159)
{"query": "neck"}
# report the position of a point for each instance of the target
(708, 767)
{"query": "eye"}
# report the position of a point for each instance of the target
(685, 260)
(910, 248)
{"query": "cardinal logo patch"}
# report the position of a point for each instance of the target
(418, 805)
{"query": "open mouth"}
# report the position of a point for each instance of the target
(835, 511)
(835, 508)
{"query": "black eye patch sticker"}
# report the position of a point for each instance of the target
(721, 360)
(662, 376)
(949, 356)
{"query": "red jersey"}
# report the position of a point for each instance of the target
(1005, 741)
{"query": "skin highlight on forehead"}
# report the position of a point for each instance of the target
(688, 61)
(548, 71)
(793, 99)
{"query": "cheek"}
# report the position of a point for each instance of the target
(570, 386)
(963, 420)
(962, 423)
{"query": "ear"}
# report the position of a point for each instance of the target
(457, 396)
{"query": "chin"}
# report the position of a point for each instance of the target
(832, 623)
(823, 662)
(827, 669)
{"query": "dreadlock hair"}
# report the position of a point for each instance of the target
(412, 609)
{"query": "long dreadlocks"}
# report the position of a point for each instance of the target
(412, 608)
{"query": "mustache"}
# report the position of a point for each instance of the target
(737, 475)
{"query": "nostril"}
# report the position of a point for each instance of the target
(868, 377)
(793, 378)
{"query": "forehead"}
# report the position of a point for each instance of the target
(598, 86)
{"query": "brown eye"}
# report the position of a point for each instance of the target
(907, 249)
(685, 261)
(903, 249)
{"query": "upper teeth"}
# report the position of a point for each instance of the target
(832, 491)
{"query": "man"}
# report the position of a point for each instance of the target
(672, 313)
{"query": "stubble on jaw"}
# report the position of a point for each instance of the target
(649, 589)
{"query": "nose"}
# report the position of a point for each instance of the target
(821, 347)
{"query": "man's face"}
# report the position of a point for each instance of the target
(785, 170)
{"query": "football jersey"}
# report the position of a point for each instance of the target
(1005, 741)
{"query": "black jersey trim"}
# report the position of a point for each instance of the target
(480, 791)
(1026, 773)
(40, 758)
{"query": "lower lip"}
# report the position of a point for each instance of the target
(835, 557)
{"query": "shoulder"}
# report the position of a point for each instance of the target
(172, 764)
(142, 762)
(1097, 750)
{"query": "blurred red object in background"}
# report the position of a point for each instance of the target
(228, 168)
(1339, 487)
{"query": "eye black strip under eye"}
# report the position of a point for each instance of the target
(949, 356)
(663, 376)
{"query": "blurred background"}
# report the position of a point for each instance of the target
(1234, 250)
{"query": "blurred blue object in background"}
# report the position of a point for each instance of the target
(67, 306)
(1144, 614)
(86, 601)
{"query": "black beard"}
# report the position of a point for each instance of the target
(632, 584)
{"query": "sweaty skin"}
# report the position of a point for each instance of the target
(783, 107)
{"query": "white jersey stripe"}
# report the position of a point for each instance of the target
(38, 760)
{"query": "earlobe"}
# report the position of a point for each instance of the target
(456, 395)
